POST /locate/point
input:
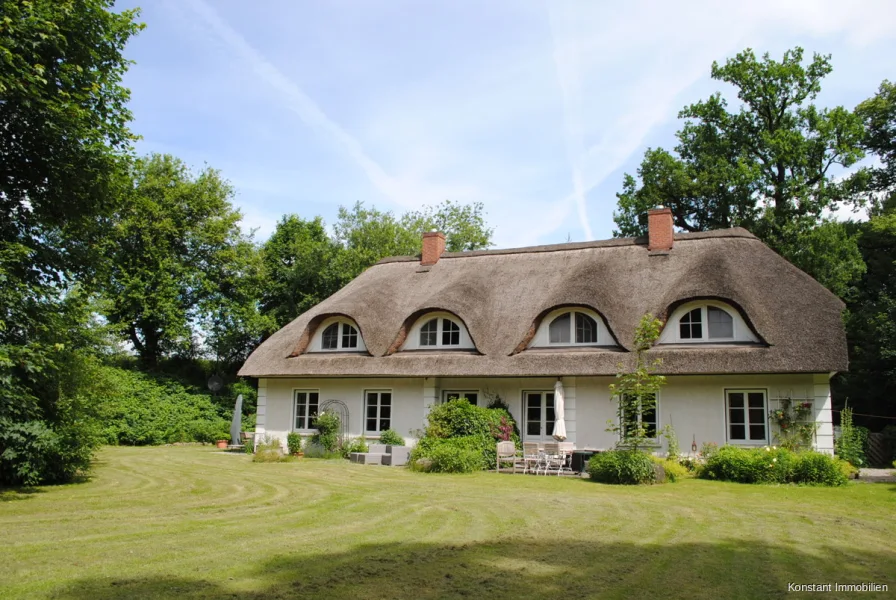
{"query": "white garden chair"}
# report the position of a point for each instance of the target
(531, 457)
(506, 453)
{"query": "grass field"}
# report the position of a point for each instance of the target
(190, 522)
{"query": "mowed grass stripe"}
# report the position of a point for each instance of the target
(190, 522)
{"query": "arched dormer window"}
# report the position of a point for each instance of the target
(572, 327)
(438, 331)
(338, 334)
(706, 321)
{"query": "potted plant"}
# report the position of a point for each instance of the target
(294, 443)
(222, 444)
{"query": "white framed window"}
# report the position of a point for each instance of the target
(572, 327)
(337, 335)
(706, 322)
(747, 416)
(648, 418)
(438, 331)
(377, 410)
(472, 396)
(305, 407)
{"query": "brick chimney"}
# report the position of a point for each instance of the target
(433, 246)
(659, 228)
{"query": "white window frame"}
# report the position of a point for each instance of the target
(412, 341)
(542, 337)
(318, 342)
(655, 440)
(746, 441)
(461, 393)
(740, 331)
(379, 406)
(295, 409)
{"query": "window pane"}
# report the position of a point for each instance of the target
(736, 400)
(533, 400)
(385, 412)
(371, 411)
(428, 333)
(738, 432)
(757, 432)
(371, 424)
(384, 424)
(736, 415)
(371, 397)
(386, 398)
(349, 336)
(586, 329)
(450, 333)
(691, 325)
(721, 325)
(533, 413)
(330, 338)
(473, 397)
(533, 427)
(756, 399)
(559, 330)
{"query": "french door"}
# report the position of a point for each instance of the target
(539, 411)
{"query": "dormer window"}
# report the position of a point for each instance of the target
(338, 334)
(706, 322)
(572, 327)
(437, 331)
(443, 329)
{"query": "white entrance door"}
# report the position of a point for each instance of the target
(539, 416)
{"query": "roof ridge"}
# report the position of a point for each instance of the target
(733, 232)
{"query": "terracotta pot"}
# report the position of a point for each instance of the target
(222, 444)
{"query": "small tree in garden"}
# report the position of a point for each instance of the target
(849, 444)
(635, 392)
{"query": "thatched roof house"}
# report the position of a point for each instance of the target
(502, 296)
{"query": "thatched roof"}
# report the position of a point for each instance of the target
(501, 294)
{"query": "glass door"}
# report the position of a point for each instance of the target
(539, 416)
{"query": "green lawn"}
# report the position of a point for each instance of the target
(189, 522)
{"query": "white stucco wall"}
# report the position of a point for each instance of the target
(694, 404)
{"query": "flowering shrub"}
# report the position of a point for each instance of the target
(772, 465)
(795, 427)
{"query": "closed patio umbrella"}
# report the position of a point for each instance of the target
(559, 433)
(237, 422)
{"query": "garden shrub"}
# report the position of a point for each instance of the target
(817, 468)
(773, 465)
(32, 453)
(455, 455)
(269, 451)
(478, 429)
(327, 424)
(136, 409)
(626, 467)
(675, 471)
(315, 450)
(849, 444)
(294, 442)
(391, 438)
(358, 444)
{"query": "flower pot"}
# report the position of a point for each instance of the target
(222, 444)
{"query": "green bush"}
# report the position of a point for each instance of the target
(391, 438)
(269, 451)
(817, 468)
(773, 465)
(327, 436)
(315, 450)
(137, 409)
(481, 428)
(294, 442)
(454, 455)
(850, 445)
(32, 453)
(675, 471)
(354, 445)
(626, 467)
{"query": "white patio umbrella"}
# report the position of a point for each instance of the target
(559, 433)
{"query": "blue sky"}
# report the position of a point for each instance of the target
(535, 109)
